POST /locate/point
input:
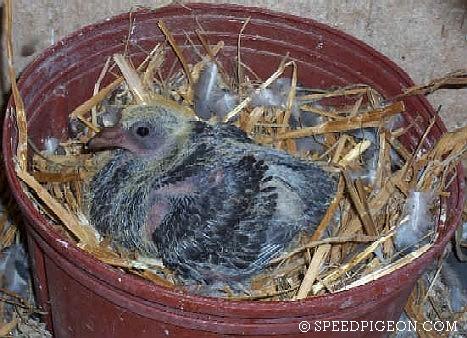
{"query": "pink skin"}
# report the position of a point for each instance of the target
(161, 207)
(156, 215)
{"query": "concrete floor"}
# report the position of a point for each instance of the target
(426, 38)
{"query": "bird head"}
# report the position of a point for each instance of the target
(146, 130)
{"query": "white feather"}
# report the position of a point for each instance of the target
(417, 220)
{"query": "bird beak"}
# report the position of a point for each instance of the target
(109, 137)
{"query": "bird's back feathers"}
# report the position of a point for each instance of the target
(220, 209)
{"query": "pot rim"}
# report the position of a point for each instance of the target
(152, 292)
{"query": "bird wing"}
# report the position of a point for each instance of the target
(245, 210)
(221, 232)
(313, 185)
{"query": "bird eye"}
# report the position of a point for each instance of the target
(142, 131)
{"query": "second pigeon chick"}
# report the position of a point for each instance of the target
(211, 203)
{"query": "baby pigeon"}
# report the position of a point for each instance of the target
(203, 197)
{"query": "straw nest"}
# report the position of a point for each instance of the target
(354, 242)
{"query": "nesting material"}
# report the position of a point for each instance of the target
(440, 295)
(18, 313)
(353, 128)
(417, 220)
(17, 310)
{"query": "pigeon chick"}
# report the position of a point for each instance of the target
(211, 203)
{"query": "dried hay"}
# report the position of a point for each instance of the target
(353, 244)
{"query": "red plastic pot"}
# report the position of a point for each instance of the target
(86, 298)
